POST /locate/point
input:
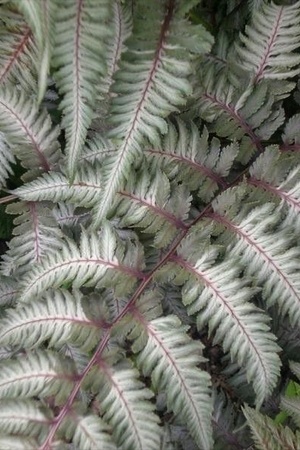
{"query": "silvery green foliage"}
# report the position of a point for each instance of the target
(152, 279)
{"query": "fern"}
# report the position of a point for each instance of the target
(149, 291)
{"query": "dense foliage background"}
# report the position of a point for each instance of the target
(149, 224)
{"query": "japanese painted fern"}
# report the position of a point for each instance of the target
(150, 292)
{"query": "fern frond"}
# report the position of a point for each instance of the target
(150, 84)
(249, 115)
(41, 18)
(7, 159)
(35, 235)
(268, 436)
(121, 24)
(188, 157)
(87, 432)
(171, 358)
(291, 133)
(159, 209)
(125, 399)
(28, 132)
(18, 443)
(42, 373)
(8, 290)
(235, 323)
(97, 148)
(81, 31)
(291, 405)
(67, 216)
(18, 51)
(55, 187)
(278, 174)
(270, 257)
(266, 49)
(59, 318)
(24, 417)
(107, 261)
(149, 202)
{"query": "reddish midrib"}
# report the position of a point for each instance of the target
(77, 66)
(239, 119)
(35, 223)
(43, 161)
(14, 56)
(156, 60)
(261, 68)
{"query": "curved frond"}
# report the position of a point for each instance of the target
(250, 114)
(125, 399)
(55, 187)
(106, 260)
(6, 160)
(151, 83)
(8, 290)
(171, 358)
(41, 18)
(23, 418)
(18, 51)
(41, 373)
(267, 49)
(187, 156)
(28, 131)
(149, 202)
(220, 298)
(87, 432)
(278, 174)
(81, 31)
(120, 23)
(36, 234)
(267, 435)
(58, 318)
(267, 253)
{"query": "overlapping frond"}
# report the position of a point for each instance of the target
(79, 58)
(291, 405)
(55, 187)
(267, 253)
(98, 259)
(150, 84)
(42, 373)
(150, 266)
(36, 234)
(6, 160)
(171, 358)
(277, 174)
(18, 51)
(149, 202)
(125, 399)
(188, 156)
(41, 19)
(8, 290)
(88, 432)
(268, 436)
(120, 23)
(28, 132)
(249, 114)
(267, 48)
(220, 298)
(23, 418)
(58, 318)
(18, 443)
